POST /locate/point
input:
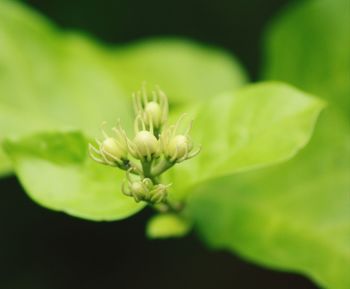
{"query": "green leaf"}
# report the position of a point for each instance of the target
(167, 226)
(49, 80)
(53, 80)
(260, 125)
(185, 70)
(294, 216)
(57, 173)
(308, 46)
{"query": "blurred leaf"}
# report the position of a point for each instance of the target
(294, 216)
(57, 173)
(309, 46)
(259, 125)
(50, 79)
(185, 70)
(167, 226)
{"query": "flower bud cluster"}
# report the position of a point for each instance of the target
(154, 149)
(144, 190)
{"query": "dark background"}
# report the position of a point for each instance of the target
(42, 249)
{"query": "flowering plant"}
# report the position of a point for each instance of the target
(261, 173)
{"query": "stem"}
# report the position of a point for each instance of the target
(162, 167)
(153, 174)
(168, 207)
(146, 168)
(156, 132)
(135, 169)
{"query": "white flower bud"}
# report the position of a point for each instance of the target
(145, 144)
(152, 109)
(179, 146)
(153, 113)
(138, 190)
(112, 150)
(176, 147)
(159, 193)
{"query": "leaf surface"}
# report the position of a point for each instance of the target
(308, 46)
(294, 216)
(259, 125)
(57, 173)
(54, 80)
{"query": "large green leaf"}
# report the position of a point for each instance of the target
(57, 173)
(294, 216)
(256, 126)
(185, 70)
(309, 46)
(50, 79)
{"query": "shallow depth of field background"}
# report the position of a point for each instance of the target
(42, 249)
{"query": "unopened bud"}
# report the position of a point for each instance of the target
(153, 114)
(112, 150)
(152, 109)
(138, 190)
(178, 147)
(144, 190)
(159, 193)
(145, 145)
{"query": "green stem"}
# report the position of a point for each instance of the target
(153, 173)
(168, 207)
(146, 168)
(161, 167)
(135, 169)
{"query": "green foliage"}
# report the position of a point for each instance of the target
(258, 126)
(292, 216)
(185, 70)
(295, 216)
(56, 88)
(69, 71)
(57, 172)
(51, 80)
(309, 46)
(247, 129)
(167, 226)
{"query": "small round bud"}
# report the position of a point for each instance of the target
(159, 193)
(137, 188)
(154, 113)
(112, 150)
(138, 191)
(146, 144)
(152, 110)
(179, 146)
